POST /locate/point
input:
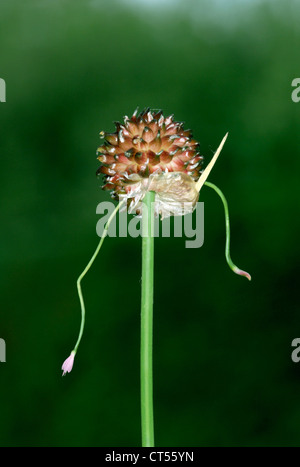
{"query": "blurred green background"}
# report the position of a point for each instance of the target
(223, 374)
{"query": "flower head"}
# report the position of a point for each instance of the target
(68, 363)
(150, 152)
(141, 152)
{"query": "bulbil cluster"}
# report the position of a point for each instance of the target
(147, 143)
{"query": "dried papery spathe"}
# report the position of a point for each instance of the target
(175, 194)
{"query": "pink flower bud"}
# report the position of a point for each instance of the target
(68, 364)
(240, 272)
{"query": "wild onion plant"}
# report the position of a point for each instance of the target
(153, 167)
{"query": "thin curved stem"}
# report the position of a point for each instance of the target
(87, 269)
(232, 266)
(147, 321)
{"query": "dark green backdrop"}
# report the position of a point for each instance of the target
(223, 374)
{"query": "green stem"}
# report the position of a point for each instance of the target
(230, 263)
(82, 306)
(147, 320)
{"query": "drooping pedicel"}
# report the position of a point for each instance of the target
(151, 152)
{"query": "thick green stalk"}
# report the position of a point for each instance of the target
(147, 320)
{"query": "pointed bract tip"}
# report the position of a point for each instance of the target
(209, 167)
